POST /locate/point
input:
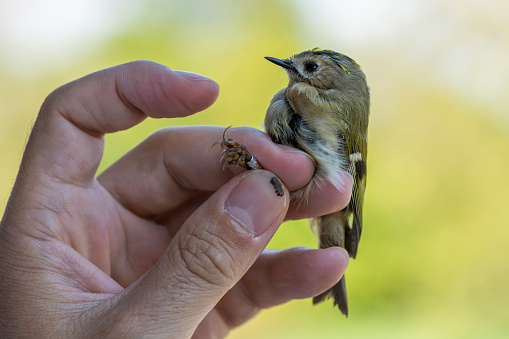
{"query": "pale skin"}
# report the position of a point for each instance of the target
(164, 243)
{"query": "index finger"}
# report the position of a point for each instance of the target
(66, 143)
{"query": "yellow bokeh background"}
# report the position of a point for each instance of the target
(434, 257)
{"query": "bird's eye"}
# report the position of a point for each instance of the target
(310, 67)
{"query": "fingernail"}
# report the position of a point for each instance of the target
(348, 176)
(342, 181)
(257, 201)
(194, 76)
(296, 151)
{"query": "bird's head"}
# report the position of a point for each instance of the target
(323, 68)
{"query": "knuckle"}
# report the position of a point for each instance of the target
(208, 257)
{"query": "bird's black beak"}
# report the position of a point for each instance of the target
(283, 63)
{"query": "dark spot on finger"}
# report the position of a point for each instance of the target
(278, 186)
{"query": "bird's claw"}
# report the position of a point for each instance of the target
(234, 153)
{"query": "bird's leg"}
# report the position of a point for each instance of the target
(234, 153)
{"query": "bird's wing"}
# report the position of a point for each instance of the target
(356, 149)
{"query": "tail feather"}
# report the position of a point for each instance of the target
(338, 293)
(331, 232)
(351, 241)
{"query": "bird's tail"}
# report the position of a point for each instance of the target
(331, 232)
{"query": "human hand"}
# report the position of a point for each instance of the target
(164, 243)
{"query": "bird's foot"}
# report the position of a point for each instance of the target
(234, 153)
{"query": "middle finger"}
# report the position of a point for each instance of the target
(177, 165)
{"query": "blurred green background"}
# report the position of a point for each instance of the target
(434, 258)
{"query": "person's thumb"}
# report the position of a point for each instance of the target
(209, 255)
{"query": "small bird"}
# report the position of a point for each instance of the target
(323, 111)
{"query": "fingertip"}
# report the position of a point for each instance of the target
(160, 92)
(337, 257)
(295, 159)
(293, 150)
(258, 202)
(344, 189)
(327, 266)
(191, 76)
(304, 272)
(208, 89)
(329, 263)
(324, 199)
